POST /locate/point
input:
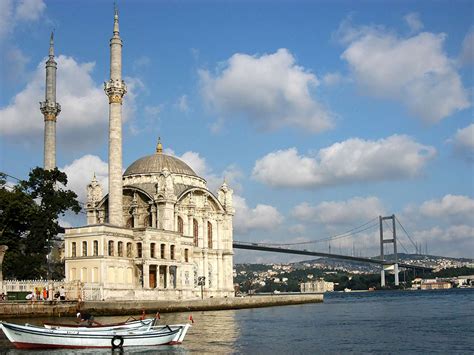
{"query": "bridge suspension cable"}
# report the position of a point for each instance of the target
(346, 234)
(408, 235)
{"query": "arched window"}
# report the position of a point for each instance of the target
(96, 247)
(111, 248)
(139, 250)
(162, 251)
(209, 235)
(186, 255)
(172, 252)
(180, 225)
(152, 250)
(129, 250)
(84, 248)
(73, 249)
(195, 232)
(120, 248)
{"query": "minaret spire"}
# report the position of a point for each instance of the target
(50, 110)
(115, 89)
(116, 21)
(51, 45)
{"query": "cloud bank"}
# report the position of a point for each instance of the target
(353, 160)
(270, 90)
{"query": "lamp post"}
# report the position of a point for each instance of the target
(202, 282)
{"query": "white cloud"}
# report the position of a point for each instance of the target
(153, 111)
(353, 160)
(141, 62)
(262, 217)
(14, 12)
(415, 71)
(455, 241)
(6, 17)
(458, 206)
(271, 91)
(14, 68)
(231, 174)
(84, 105)
(81, 171)
(332, 79)
(467, 52)
(297, 229)
(413, 21)
(182, 104)
(353, 211)
(463, 141)
(29, 10)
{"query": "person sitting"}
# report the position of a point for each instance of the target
(86, 317)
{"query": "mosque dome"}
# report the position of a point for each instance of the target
(155, 163)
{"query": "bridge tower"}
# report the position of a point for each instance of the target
(391, 265)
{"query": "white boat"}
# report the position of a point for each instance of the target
(33, 337)
(136, 325)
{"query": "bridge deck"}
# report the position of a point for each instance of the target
(255, 246)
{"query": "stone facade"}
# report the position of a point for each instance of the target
(176, 231)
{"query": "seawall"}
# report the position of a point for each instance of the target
(111, 308)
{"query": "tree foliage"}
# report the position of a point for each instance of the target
(29, 213)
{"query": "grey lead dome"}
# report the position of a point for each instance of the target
(155, 163)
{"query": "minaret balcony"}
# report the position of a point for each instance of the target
(50, 109)
(115, 89)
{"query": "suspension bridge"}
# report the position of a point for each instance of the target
(385, 263)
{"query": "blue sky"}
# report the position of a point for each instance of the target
(320, 114)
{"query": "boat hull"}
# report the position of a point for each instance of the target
(30, 337)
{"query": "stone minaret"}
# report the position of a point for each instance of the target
(115, 89)
(50, 110)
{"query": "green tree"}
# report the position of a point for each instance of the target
(29, 224)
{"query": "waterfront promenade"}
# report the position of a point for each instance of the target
(109, 308)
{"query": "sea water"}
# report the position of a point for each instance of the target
(370, 322)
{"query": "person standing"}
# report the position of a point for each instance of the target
(62, 294)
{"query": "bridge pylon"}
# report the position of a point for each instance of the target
(390, 265)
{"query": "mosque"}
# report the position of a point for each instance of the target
(160, 233)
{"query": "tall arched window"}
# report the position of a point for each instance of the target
(195, 232)
(180, 225)
(73, 249)
(84, 248)
(111, 248)
(139, 250)
(172, 252)
(152, 250)
(129, 250)
(120, 248)
(96, 247)
(209, 235)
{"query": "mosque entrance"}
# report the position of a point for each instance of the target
(152, 276)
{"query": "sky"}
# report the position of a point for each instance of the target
(320, 115)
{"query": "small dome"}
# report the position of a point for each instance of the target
(156, 163)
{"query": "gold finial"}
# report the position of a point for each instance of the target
(159, 146)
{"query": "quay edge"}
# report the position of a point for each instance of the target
(115, 308)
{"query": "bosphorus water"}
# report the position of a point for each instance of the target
(369, 322)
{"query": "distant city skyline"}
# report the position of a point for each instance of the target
(320, 115)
